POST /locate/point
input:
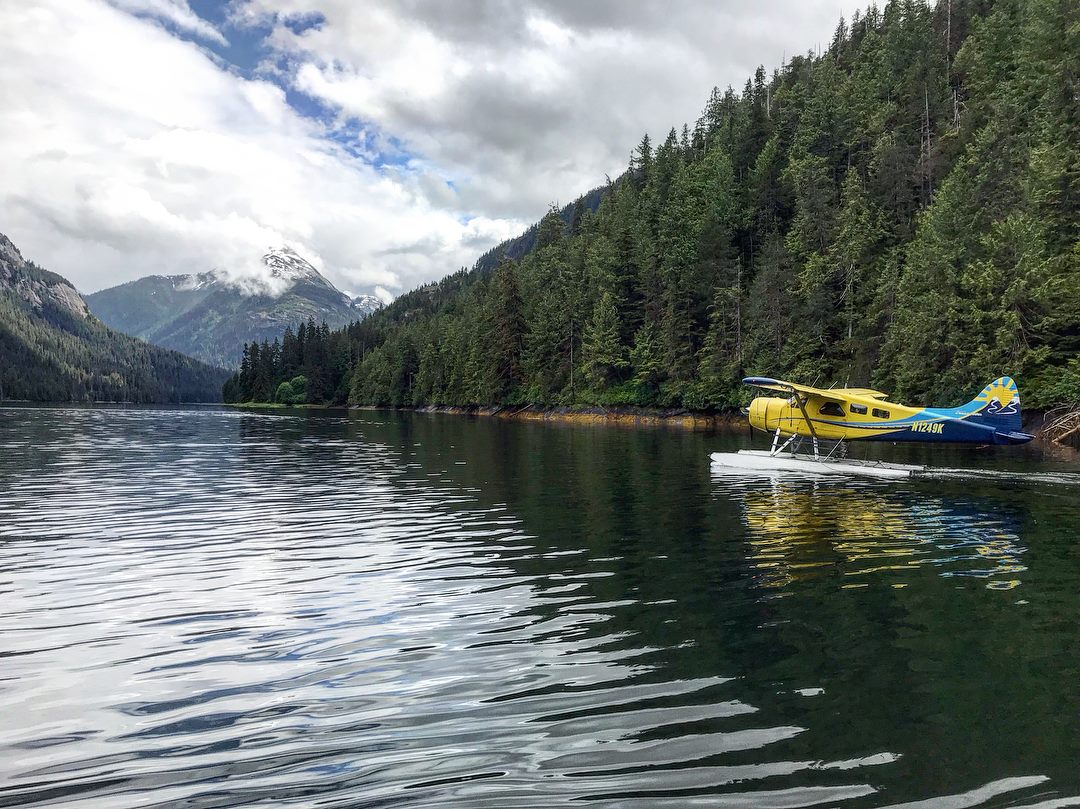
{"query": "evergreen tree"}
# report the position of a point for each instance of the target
(647, 359)
(506, 332)
(603, 354)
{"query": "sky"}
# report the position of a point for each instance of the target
(389, 143)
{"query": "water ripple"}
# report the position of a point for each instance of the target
(210, 609)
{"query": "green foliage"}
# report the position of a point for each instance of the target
(603, 354)
(647, 358)
(1064, 387)
(900, 210)
(505, 335)
(312, 364)
(292, 392)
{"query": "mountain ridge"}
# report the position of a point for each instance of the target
(211, 315)
(52, 348)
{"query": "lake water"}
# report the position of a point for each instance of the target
(209, 608)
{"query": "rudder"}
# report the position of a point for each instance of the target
(997, 406)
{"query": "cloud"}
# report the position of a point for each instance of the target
(522, 104)
(176, 12)
(389, 143)
(131, 152)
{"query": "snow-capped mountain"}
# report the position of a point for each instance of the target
(366, 304)
(211, 315)
(287, 265)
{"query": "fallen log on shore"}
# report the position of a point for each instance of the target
(1062, 425)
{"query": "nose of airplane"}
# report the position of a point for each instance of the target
(758, 412)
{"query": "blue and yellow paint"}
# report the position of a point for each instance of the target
(992, 417)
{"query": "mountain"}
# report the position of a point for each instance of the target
(900, 210)
(140, 306)
(53, 349)
(366, 304)
(211, 315)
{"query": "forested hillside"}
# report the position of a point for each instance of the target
(52, 348)
(901, 210)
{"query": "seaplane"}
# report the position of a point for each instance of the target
(828, 418)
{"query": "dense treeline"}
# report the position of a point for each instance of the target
(49, 355)
(901, 210)
(312, 364)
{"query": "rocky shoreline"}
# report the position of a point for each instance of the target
(617, 416)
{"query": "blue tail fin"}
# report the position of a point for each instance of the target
(998, 406)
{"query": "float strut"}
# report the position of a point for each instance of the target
(776, 450)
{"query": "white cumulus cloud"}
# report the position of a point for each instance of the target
(130, 152)
(531, 102)
(177, 12)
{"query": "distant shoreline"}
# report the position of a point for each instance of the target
(609, 416)
(624, 416)
(619, 416)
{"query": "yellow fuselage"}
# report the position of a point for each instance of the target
(769, 413)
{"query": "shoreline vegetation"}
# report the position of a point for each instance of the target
(608, 416)
(1046, 426)
(623, 416)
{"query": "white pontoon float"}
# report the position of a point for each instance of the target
(764, 461)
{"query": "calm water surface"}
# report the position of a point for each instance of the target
(206, 608)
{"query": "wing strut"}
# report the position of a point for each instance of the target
(809, 424)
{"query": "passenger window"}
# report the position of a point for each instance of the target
(831, 409)
(858, 408)
(879, 413)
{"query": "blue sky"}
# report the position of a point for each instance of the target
(245, 51)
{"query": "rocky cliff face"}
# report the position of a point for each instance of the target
(35, 286)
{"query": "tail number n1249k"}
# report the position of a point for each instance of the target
(926, 427)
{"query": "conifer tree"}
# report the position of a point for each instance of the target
(506, 332)
(603, 354)
(647, 358)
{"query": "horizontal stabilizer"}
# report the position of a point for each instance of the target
(1014, 437)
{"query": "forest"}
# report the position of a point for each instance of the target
(52, 356)
(312, 364)
(52, 349)
(901, 210)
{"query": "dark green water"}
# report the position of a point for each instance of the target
(207, 608)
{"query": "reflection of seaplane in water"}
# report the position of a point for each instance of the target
(838, 415)
(801, 529)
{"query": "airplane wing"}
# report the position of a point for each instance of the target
(791, 388)
(870, 393)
